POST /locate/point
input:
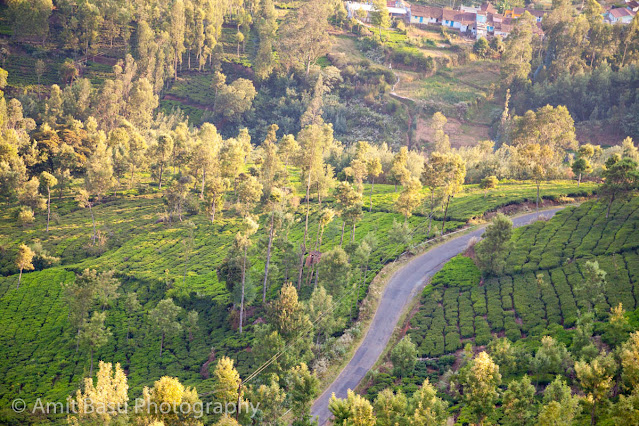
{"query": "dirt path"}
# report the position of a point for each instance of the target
(403, 286)
(412, 121)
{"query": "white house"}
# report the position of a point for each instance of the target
(450, 18)
(396, 9)
(425, 15)
(620, 15)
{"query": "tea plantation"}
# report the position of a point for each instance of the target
(151, 258)
(459, 307)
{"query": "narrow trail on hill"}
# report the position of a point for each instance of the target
(412, 122)
(403, 286)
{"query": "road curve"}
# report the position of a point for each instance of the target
(405, 284)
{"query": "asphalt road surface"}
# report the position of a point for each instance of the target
(400, 290)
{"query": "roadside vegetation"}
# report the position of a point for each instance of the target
(196, 195)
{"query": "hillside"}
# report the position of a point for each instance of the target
(150, 260)
(540, 293)
(513, 305)
(206, 203)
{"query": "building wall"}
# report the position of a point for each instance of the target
(422, 20)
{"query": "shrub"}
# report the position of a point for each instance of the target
(482, 332)
(460, 271)
(411, 57)
(25, 216)
(192, 206)
(453, 341)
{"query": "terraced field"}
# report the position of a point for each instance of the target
(150, 259)
(459, 307)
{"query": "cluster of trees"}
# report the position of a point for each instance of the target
(206, 167)
(181, 34)
(573, 42)
(105, 400)
(286, 344)
(561, 384)
(92, 142)
(580, 61)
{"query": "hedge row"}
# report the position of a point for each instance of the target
(581, 232)
(460, 271)
(519, 304)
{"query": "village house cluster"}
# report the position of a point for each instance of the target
(482, 21)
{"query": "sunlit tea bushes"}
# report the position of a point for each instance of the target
(536, 292)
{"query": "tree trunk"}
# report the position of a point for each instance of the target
(161, 344)
(303, 247)
(161, 170)
(48, 206)
(341, 240)
(538, 184)
(353, 233)
(186, 265)
(355, 297)
(115, 188)
(213, 210)
(93, 221)
(309, 275)
(360, 282)
(593, 418)
(623, 57)
(317, 237)
(242, 297)
(372, 186)
(579, 180)
(91, 368)
(321, 236)
(445, 214)
(268, 257)
(132, 173)
(430, 216)
(203, 180)
(19, 279)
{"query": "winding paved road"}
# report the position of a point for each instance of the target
(401, 288)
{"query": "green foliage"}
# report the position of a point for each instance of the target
(491, 251)
(460, 271)
(481, 47)
(544, 266)
(404, 357)
(148, 257)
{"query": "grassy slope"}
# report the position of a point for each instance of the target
(461, 92)
(513, 304)
(34, 330)
(455, 310)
